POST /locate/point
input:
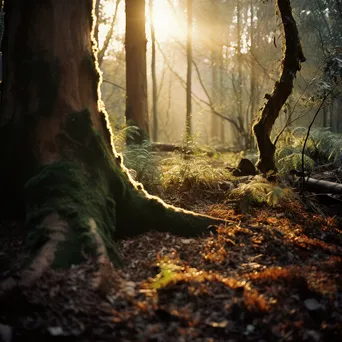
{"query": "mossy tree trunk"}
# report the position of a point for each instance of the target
(136, 79)
(292, 58)
(58, 165)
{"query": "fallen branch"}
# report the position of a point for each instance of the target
(163, 147)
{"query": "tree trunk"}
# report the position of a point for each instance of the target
(154, 76)
(293, 57)
(222, 97)
(252, 77)
(239, 32)
(215, 55)
(109, 35)
(97, 15)
(59, 168)
(136, 79)
(188, 123)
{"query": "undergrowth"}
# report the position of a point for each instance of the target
(196, 176)
(196, 172)
(260, 191)
(182, 171)
(322, 147)
(139, 159)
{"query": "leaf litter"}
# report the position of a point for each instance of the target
(273, 274)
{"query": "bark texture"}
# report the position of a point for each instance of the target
(215, 61)
(291, 63)
(154, 74)
(59, 167)
(136, 80)
(188, 120)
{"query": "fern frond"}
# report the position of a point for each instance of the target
(294, 162)
(260, 191)
(121, 135)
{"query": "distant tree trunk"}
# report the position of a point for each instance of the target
(214, 72)
(109, 35)
(58, 167)
(252, 76)
(136, 79)
(222, 97)
(292, 58)
(97, 15)
(241, 119)
(154, 77)
(188, 122)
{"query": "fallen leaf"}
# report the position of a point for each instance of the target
(222, 324)
(187, 241)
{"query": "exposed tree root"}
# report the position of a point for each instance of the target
(57, 229)
(76, 215)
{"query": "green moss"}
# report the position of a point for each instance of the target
(77, 196)
(95, 153)
(91, 182)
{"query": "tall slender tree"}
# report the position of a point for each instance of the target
(239, 99)
(188, 121)
(136, 79)
(154, 73)
(252, 94)
(215, 62)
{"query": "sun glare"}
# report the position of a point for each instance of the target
(166, 18)
(167, 24)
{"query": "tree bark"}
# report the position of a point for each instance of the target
(59, 167)
(136, 79)
(215, 61)
(154, 75)
(239, 99)
(188, 121)
(292, 58)
(252, 76)
(222, 98)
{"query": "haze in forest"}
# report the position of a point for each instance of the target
(236, 53)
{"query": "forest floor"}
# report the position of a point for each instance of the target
(272, 274)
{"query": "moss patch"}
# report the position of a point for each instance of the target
(76, 196)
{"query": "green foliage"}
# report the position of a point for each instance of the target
(168, 274)
(260, 191)
(144, 162)
(122, 134)
(327, 144)
(191, 170)
(139, 158)
(76, 196)
(293, 161)
(323, 146)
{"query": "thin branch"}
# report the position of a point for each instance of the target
(114, 84)
(308, 134)
(289, 121)
(109, 34)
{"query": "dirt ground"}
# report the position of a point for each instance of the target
(272, 274)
